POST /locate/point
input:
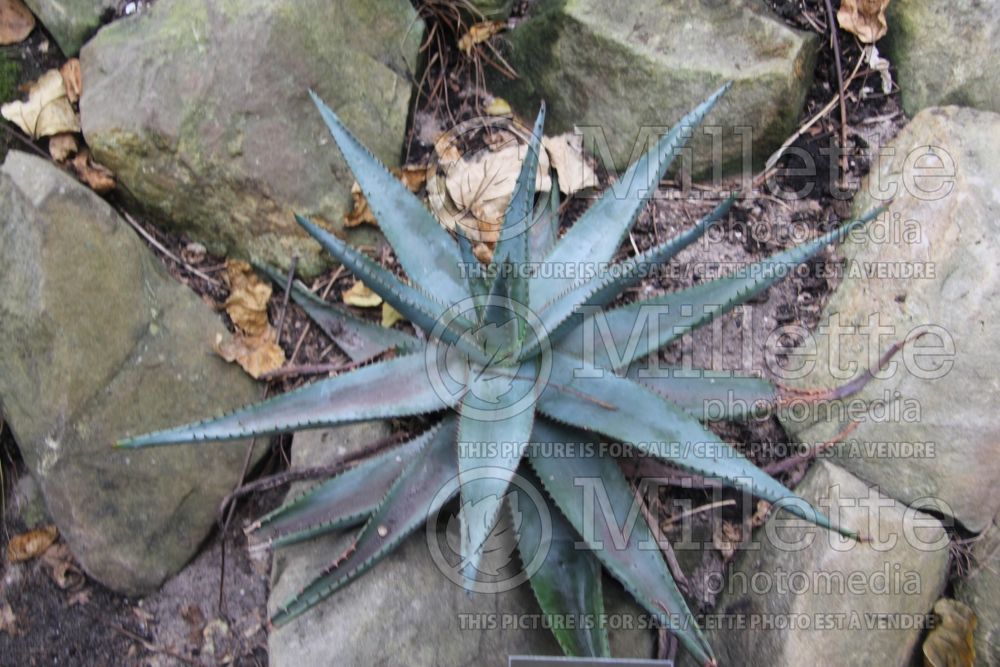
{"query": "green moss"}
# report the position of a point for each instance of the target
(10, 74)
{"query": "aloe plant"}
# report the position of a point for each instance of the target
(513, 345)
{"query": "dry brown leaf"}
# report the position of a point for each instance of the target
(864, 18)
(47, 110)
(255, 346)
(479, 33)
(16, 22)
(413, 176)
(483, 253)
(390, 316)
(31, 544)
(950, 643)
(72, 79)
(62, 567)
(727, 538)
(96, 176)
(360, 213)
(759, 517)
(8, 621)
(359, 295)
(63, 146)
(194, 253)
(255, 354)
(566, 154)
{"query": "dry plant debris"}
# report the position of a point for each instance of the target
(950, 643)
(16, 22)
(864, 18)
(255, 345)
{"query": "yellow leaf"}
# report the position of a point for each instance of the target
(390, 316)
(255, 354)
(498, 107)
(950, 643)
(479, 33)
(16, 22)
(31, 544)
(864, 18)
(359, 295)
(47, 110)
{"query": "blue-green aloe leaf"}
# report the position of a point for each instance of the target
(420, 491)
(560, 316)
(710, 396)
(513, 247)
(677, 313)
(413, 304)
(597, 235)
(423, 248)
(341, 501)
(497, 414)
(633, 413)
(544, 230)
(567, 583)
(392, 388)
(627, 550)
(360, 339)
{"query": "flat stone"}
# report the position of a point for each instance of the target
(941, 50)
(928, 430)
(72, 21)
(806, 594)
(97, 342)
(404, 609)
(202, 110)
(623, 70)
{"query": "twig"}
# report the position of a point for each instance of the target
(145, 643)
(306, 369)
(698, 510)
(832, 19)
(289, 476)
(159, 246)
(787, 464)
(662, 542)
(288, 291)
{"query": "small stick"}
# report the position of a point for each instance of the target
(159, 246)
(698, 510)
(787, 464)
(145, 643)
(832, 18)
(306, 369)
(662, 542)
(288, 293)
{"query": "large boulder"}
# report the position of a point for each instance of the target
(372, 621)
(202, 110)
(799, 594)
(72, 21)
(928, 428)
(939, 50)
(621, 70)
(97, 342)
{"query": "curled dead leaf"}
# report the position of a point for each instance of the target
(72, 79)
(413, 176)
(479, 33)
(31, 544)
(950, 643)
(16, 22)
(63, 567)
(8, 620)
(96, 176)
(360, 213)
(255, 345)
(47, 111)
(864, 18)
(63, 146)
(566, 155)
(361, 296)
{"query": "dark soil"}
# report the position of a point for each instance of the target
(90, 625)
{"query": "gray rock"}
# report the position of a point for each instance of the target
(980, 589)
(842, 596)
(202, 110)
(404, 609)
(927, 434)
(626, 69)
(71, 21)
(96, 343)
(941, 53)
